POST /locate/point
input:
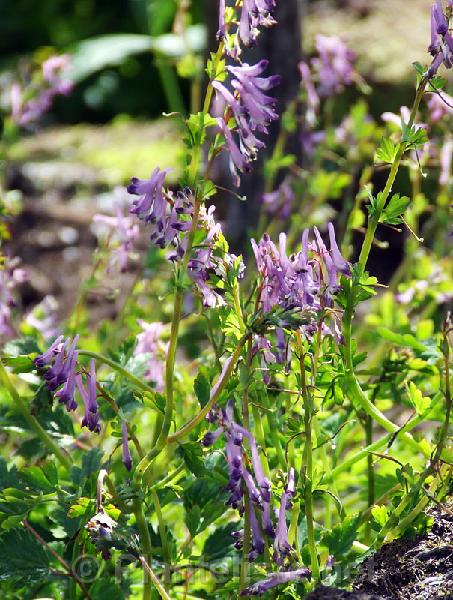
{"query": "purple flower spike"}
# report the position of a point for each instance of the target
(340, 263)
(126, 454)
(273, 580)
(257, 538)
(441, 46)
(46, 358)
(91, 418)
(66, 394)
(282, 547)
(150, 206)
(252, 109)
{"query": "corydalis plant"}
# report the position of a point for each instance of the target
(31, 102)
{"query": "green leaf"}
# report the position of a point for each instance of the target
(380, 514)
(219, 543)
(339, 540)
(22, 558)
(392, 213)
(91, 463)
(401, 339)
(19, 364)
(387, 151)
(193, 518)
(420, 402)
(95, 54)
(202, 388)
(37, 478)
(193, 457)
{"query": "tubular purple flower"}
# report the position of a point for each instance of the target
(252, 110)
(282, 547)
(340, 263)
(273, 580)
(441, 46)
(46, 358)
(126, 454)
(66, 394)
(222, 25)
(257, 538)
(149, 342)
(211, 437)
(335, 65)
(312, 95)
(151, 206)
(91, 418)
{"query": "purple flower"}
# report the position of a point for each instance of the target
(61, 360)
(273, 580)
(280, 202)
(43, 317)
(10, 277)
(252, 109)
(126, 454)
(205, 265)
(441, 46)
(257, 546)
(282, 547)
(89, 397)
(30, 105)
(62, 366)
(312, 94)
(169, 213)
(66, 394)
(254, 14)
(256, 483)
(151, 205)
(125, 234)
(440, 105)
(334, 67)
(149, 342)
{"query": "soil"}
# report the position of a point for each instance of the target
(420, 568)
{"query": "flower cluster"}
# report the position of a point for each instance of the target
(324, 76)
(247, 473)
(10, 277)
(334, 65)
(441, 46)
(307, 279)
(261, 587)
(60, 362)
(44, 317)
(150, 344)
(251, 110)
(279, 203)
(253, 15)
(125, 234)
(169, 214)
(29, 105)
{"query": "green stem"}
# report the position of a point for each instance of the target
(162, 533)
(138, 383)
(215, 393)
(307, 469)
(60, 454)
(145, 540)
(247, 504)
(347, 463)
(152, 577)
(358, 395)
(382, 199)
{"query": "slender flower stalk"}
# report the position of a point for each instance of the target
(307, 464)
